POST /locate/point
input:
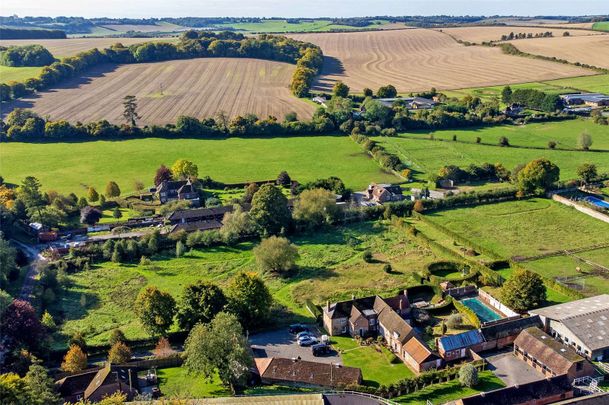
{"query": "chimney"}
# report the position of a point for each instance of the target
(405, 293)
(401, 305)
(328, 305)
(352, 297)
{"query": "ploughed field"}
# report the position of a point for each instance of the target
(61, 48)
(591, 50)
(484, 34)
(418, 59)
(165, 90)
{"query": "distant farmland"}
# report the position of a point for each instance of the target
(482, 34)
(61, 48)
(418, 59)
(166, 90)
(593, 50)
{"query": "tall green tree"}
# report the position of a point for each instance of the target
(184, 169)
(130, 110)
(316, 207)
(276, 254)
(249, 299)
(200, 303)
(537, 176)
(92, 194)
(270, 210)
(584, 141)
(587, 172)
(112, 189)
(155, 310)
(219, 347)
(40, 387)
(524, 290)
(31, 195)
(340, 89)
(8, 265)
(236, 224)
(506, 94)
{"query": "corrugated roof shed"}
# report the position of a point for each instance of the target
(461, 340)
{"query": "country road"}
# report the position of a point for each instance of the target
(29, 281)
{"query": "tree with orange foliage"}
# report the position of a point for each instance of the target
(74, 360)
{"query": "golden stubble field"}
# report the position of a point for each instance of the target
(60, 48)
(481, 34)
(592, 50)
(418, 59)
(165, 90)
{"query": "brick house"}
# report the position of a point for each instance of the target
(550, 357)
(182, 190)
(296, 372)
(381, 193)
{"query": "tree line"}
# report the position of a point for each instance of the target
(24, 33)
(308, 57)
(27, 55)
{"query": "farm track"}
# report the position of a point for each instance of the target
(165, 90)
(418, 59)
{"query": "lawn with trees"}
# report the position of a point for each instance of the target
(330, 267)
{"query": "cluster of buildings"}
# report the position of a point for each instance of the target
(584, 103)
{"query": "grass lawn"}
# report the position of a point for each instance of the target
(452, 390)
(18, 74)
(428, 156)
(108, 218)
(176, 382)
(537, 135)
(378, 368)
(67, 167)
(330, 268)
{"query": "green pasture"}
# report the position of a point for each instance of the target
(70, 167)
(330, 268)
(601, 26)
(536, 135)
(18, 74)
(594, 83)
(428, 156)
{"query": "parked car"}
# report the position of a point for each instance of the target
(307, 341)
(320, 349)
(297, 327)
(303, 334)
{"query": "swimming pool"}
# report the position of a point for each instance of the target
(597, 201)
(481, 309)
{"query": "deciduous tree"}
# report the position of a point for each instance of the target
(90, 215)
(119, 353)
(130, 110)
(584, 141)
(340, 89)
(92, 194)
(249, 299)
(40, 387)
(537, 176)
(587, 172)
(276, 254)
(236, 224)
(112, 189)
(75, 360)
(184, 169)
(316, 207)
(199, 304)
(162, 174)
(219, 347)
(468, 376)
(155, 309)
(270, 210)
(524, 290)
(20, 325)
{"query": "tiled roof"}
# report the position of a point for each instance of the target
(461, 340)
(558, 357)
(394, 323)
(419, 351)
(508, 327)
(521, 394)
(197, 226)
(308, 372)
(199, 213)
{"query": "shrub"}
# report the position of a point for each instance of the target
(468, 376)
(454, 321)
(367, 256)
(503, 141)
(119, 353)
(551, 145)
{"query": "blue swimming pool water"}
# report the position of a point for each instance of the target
(482, 310)
(597, 201)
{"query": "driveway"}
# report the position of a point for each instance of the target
(511, 370)
(34, 256)
(281, 343)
